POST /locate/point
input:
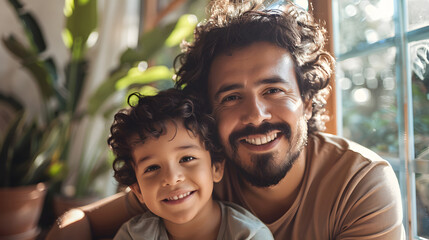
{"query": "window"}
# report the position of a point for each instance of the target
(382, 91)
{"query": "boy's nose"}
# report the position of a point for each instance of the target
(172, 176)
(255, 112)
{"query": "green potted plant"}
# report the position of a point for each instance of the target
(34, 146)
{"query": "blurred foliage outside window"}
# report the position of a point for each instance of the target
(369, 75)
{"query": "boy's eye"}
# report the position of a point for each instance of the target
(151, 168)
(186, 159)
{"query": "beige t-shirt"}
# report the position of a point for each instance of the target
(348, 192)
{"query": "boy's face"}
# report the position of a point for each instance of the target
(174, 174)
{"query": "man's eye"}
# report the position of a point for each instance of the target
(186, 159)
(273, 90)
(151, 168)
(230, 98)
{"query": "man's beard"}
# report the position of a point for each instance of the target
(264, 172)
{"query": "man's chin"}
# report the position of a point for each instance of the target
(256, 180)
(265, 172)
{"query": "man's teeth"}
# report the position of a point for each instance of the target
(261, 140)
(180, 196)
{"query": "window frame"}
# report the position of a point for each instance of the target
(407, 164)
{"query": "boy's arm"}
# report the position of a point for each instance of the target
(101, 219)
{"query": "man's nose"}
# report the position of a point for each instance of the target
(172, 175)
(255, 111)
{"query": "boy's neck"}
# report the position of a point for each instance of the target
(204, 226)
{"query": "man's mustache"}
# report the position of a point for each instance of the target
(264, 128)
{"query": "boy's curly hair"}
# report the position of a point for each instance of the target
(230, 27)
(148, 118)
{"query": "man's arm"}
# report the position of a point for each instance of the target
(100, 219)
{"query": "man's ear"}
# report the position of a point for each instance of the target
(217, 171)
(136, 190)
(308, 109)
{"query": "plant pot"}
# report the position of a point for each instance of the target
(20, 209)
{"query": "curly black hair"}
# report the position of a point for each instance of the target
(148, 118)
(293, 29)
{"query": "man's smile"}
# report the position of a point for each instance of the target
(260, 140)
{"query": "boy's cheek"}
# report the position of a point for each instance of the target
(136, 190)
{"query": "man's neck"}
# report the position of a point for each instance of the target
(204, 226)
(270, 203)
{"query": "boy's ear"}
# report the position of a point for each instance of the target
(217, 171)
(136, 190)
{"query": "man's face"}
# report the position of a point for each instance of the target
(259, 111)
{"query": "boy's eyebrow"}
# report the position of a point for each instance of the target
(188, 146)
(181, 147)
(143, 159)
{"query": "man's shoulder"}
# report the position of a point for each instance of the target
(332, 146)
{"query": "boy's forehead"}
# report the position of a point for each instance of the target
(174, 138)
(170, 128)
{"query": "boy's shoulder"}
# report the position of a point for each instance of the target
(144, 226)
(239, 223)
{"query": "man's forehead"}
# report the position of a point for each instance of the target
(234, 67)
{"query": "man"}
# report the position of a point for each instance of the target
(264, 76)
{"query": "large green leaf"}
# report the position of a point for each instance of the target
(11, 101)
(183, 30)
(105, 90)
(33, 32)
(6, 150)
(149, 44)
(75, 78)
(31, 27)
(81, 20)
(16, 4)
(30, 61)
(138, 77)
(51, 144)
(24, 150)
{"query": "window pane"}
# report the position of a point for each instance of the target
(369, 102)
(418, 14)
(420, 82)
(422, 199)
(364, 21)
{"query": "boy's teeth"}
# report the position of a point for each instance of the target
(261, 140)
(180, 196)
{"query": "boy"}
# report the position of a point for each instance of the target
(166, 153)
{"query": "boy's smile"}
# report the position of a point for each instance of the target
(175, 175)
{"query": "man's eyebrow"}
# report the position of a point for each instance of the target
(230, 87)
(227, 88)
(271, 80)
